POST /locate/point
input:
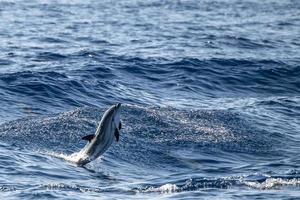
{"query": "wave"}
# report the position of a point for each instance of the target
(263, 182)
(187, 71)
(148, 133)
(157, 81)
(66, 187)
(260, 182)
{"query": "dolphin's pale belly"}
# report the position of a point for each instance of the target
(96, 148)
(100, 147)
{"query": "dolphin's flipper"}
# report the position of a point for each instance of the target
(120, 126)
(88, 137)
(117, 134)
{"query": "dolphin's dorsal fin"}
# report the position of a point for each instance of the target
(88, 137)
(120, 126)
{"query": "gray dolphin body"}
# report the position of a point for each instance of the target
(108, 128)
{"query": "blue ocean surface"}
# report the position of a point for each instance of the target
(210, 94)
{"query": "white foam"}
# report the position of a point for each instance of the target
(62, 186)
(73, 158)
(270, 183)
(167, 188)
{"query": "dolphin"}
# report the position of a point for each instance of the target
(108, 128)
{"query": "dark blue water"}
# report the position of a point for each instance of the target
(210, 93)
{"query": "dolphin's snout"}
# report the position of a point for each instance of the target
(118, 105)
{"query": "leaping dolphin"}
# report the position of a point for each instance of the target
(108, 128)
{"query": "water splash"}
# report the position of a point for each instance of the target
(73, 158)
